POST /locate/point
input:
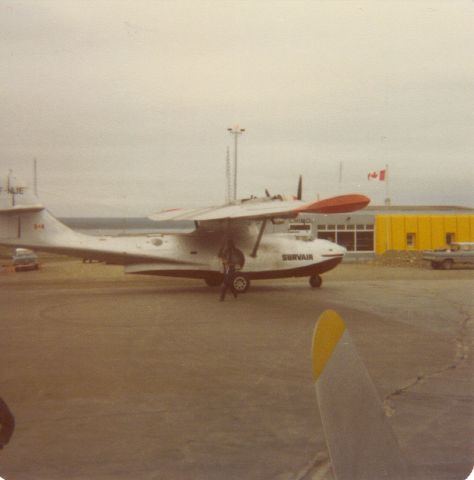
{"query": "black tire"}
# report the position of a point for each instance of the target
(447, 264)
(213, 281)
(315, 281)
(240, 283)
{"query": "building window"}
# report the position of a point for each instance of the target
(365, 241)
(450, 238)
(346, 239)
(355, 237)
(331, 236)
(411, 240)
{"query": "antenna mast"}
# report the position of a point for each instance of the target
(35, 176)
(235, 131)
(228, 177)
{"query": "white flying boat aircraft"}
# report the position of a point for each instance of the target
(25, 222)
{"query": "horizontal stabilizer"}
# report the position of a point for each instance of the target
(360, 440)
(17, 209)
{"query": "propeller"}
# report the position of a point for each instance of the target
(299, 190)
(299, 194)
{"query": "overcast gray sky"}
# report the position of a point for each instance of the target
(125, 104)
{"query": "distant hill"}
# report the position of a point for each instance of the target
(120, 223)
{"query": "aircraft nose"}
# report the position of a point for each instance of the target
(335, 250)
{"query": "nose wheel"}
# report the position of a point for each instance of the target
(315, 281)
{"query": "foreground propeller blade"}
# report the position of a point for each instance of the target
(267, 193)
(360, 439)
(339, 204)
(299, 195)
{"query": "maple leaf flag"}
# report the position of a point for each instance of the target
(377, 175)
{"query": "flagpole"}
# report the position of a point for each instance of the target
(387, 198)
(388, 236)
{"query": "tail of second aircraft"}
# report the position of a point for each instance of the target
(24, 221)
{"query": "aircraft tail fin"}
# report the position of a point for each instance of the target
(16, 197)
(361, 443)
(24, 221)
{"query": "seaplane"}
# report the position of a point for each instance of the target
(238, 226)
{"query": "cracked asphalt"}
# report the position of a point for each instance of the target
(113, 376)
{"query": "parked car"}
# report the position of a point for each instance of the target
(25, 259)
(458, 253)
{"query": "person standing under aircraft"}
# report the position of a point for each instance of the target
(229, 273)
(232, 254)
(230, 262)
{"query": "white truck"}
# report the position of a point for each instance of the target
(458, 253)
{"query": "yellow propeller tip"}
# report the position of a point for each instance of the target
(327, 333)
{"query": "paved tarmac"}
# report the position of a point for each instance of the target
(118, 377)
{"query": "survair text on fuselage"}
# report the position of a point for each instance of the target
(296, 256)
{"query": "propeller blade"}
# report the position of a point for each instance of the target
(299, 194)
(339, 204)
(359, 437)
(267, 193)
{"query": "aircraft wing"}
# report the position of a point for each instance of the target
(259, 209)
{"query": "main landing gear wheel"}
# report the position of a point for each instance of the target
(213, 282)
(240, 283)
(315, 281)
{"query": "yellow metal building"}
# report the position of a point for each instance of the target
(421, 232)
(376, 229)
